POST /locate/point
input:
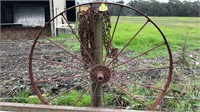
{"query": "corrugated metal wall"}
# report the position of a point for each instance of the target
(29, 16)
(8, 9)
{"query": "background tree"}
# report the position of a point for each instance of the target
(156, 8)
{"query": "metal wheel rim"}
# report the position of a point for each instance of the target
(167, 83)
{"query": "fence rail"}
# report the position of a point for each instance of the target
(21, 107)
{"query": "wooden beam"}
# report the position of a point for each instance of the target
(22, 107)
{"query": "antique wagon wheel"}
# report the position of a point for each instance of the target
(112, 77)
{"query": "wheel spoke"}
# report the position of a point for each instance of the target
(80, 97)
(110, 42)
(116, 25)
(58, 63)
(72, 55)
(77, 38)
(138, 55)
(139, 70)
(115, 57)
(62, 78)
(79, 84)
(128, 93)
(147, 86)
(114, 95)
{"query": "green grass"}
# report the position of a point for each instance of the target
(176, 29)
(23, 97)
(67, 40)
(71, 97)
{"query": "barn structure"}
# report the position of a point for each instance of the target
(35, 13)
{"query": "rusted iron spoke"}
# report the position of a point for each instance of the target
(131, 82)
(70, 26)
(128, 93)
(110, 42)
(114, 95)
(74, 56)
(84, 48)
(139, 70)
(115, 57)
(79, 84)
(61, 78)
(58, 63)
(139, 55)
(116, 25)
(80, 97)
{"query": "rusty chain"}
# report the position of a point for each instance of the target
(87, 19)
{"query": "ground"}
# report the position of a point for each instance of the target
(15, 47)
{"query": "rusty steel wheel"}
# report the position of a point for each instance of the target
(64, 71)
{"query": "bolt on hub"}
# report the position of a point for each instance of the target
(100, 73)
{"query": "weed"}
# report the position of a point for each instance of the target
(71, 97)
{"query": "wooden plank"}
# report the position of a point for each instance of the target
(22, 107)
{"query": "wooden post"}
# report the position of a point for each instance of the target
(98, 59)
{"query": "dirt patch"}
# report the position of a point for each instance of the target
(21, 32)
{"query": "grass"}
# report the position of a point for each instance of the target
(23, 96)
(67, 40)
(174, 28)
(70, 98)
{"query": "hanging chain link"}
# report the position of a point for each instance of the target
(87, 19)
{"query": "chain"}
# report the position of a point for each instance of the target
(87, 19)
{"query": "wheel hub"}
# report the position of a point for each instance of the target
(100, 73)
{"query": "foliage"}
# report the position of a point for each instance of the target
(156, 8)
(23, 97)
(70, 99)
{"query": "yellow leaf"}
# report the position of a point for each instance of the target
(103, 7)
